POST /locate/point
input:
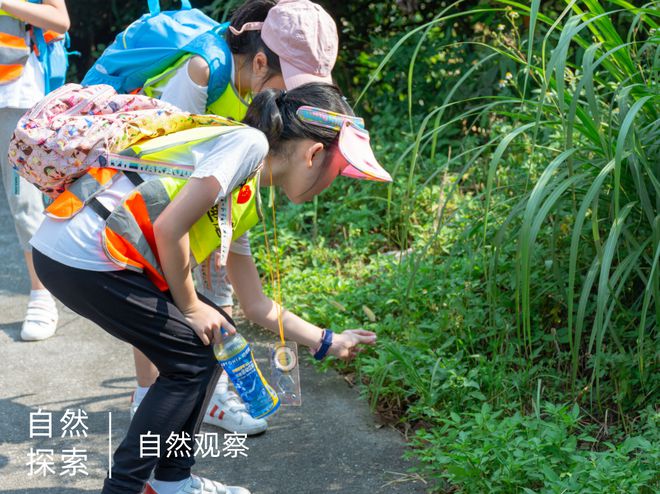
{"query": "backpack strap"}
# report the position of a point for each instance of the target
(42, 49)
(42, 38)
(213, 48)
(99, 208)
(134, 177)
(154, 6)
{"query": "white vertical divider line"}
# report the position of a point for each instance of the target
(110, 445)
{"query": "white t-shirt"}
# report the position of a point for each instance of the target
(28, 89)
(230, 159)
(182, 92)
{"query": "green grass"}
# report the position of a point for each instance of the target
(518, 332)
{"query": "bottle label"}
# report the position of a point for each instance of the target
(250, 384)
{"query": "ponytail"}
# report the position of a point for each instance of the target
(273, 112)
(264, 114)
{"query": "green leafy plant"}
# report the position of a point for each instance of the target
(513, 263)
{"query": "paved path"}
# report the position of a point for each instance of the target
(329, 445)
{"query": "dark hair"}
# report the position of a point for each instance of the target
(274, 113)
(249, 43)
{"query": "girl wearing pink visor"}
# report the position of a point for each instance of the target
(314, 144)
(299, 141)
(278, 45)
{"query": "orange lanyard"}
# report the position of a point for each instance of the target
(275, 278)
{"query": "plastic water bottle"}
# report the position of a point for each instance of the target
(235, 356)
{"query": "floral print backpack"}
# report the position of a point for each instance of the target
(76, 128)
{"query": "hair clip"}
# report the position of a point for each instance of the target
(326, 118)
(248, 26)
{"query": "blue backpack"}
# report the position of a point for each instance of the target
(155, 41)
(53, 53)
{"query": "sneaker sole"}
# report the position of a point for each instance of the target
(255, 431)
(26, 337)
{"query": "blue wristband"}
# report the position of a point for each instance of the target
(326, 343)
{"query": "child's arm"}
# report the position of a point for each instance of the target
(263, 311)
(199, 71)
(171, 234)
(49, 15)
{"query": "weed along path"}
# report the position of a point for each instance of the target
(329, 444)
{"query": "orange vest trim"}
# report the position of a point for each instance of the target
(102, 175)
(51, 35)
(72, 200)
(114, 244)
(11, 41)
(66, 205)
(14, 48)
(126, 253)
(136, 205)
(10, 72)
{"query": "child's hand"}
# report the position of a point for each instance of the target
(206, 321)
(348, 344)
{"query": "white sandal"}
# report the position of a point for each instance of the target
(40, 321)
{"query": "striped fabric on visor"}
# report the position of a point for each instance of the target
(353, 143)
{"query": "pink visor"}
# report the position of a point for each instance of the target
(355, 153)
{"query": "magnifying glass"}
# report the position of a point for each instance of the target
(285, 358)
(285, 373)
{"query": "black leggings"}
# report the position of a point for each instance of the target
(130, 307)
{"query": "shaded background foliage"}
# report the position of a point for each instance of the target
(95, 23)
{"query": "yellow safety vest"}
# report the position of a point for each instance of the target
(229, 104)
(128, 237)
(14, 51)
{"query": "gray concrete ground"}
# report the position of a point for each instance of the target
(330, 444)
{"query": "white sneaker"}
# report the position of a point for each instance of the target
(199, 485)
(40, 320)
(227, 411)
